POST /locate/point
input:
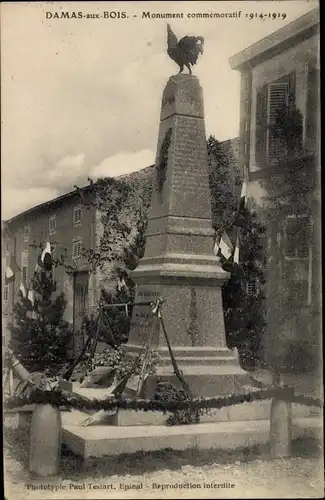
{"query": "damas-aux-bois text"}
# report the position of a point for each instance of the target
(114, 14)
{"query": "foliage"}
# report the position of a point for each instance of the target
(39, 334)
(225, 183)
(288, 128)
(64, 399)
(244, 297)
(289, 187)
(293, 178)
(117, 358)
(122, 206)
(167, 393)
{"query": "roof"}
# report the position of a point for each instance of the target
(59, 199)
(293, 33)
(47, 204)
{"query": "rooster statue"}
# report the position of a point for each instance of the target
(184, 52)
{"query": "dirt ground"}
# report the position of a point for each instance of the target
(170, 474)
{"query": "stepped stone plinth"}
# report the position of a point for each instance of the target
(179, 263)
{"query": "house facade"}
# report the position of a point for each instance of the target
(279, 155)
(70, 227)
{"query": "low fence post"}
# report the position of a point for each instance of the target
(280, 424)
(45, 441)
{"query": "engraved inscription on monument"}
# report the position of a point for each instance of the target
(142, 317)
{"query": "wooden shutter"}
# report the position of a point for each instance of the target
(278, 98)
(261, 124)
(281, 93)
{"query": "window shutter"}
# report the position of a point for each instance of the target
(281, 93)
(278, 98)
(261, 122)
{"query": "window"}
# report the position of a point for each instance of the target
(26, 233)
(24, 265)
(52, 224)
(76, 248)
(5, 293)
(297, 253)
(272, 98)
(252, 287)
(77, 216)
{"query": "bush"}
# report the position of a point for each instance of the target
(39, 334)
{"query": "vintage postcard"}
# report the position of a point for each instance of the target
(161, 262)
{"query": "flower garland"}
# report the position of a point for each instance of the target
(68, 400)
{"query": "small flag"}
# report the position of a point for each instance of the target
(30, 296)
(241, 219)
(243, 196)
(225, 246)
(121, 284)
(45, 259)
(236, 253)
(216, 248)
(11, 269)
(23, 288)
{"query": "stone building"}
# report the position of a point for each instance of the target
(69, 227)
(279, 154)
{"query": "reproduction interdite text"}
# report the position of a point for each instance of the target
(128, 486)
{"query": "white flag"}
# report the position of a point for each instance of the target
(226, 247)
(236, 254)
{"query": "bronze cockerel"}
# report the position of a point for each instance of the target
(184, 52)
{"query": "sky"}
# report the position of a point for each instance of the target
(81, 97)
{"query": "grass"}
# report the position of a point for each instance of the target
(75, 469)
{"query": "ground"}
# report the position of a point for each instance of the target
(187, 474)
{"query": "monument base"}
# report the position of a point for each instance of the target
(205, 379)
(192, 314)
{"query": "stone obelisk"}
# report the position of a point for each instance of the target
(179, 264)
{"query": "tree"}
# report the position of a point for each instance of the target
(292, 191)
(122, 206)
(39, 334)
(225, 183)
(244, 297)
